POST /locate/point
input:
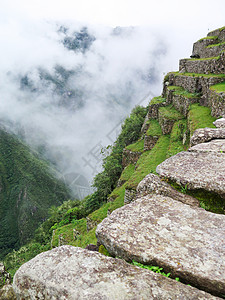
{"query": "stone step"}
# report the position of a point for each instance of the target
(216, 97)
(197, 170)
(167, 117)
(216, 146)
(215, 65)
(202, 135)
(200, 45)
(212, 50)
(130, 157)
(154, 105)
(194, 83)
(180, 98)
(220, 33)
(68, 272)
(158, 230)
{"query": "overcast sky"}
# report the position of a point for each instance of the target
(185, 14)
(166, 31)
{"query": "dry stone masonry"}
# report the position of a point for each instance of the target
(158, 225)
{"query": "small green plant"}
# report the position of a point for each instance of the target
(155, 269)
(184, 189)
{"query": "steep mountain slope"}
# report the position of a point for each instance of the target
(162, 224)
(28, 187)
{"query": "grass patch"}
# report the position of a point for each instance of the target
(199, 75)
(148, 161)
(169, 112)
(219, 88)
(136, 147)
(216, 45)
(154, 128)
(199, 117)
(208, 38)
(157, 100)
(127, 172)
(176, 138)
(177, 90)
(205, 58)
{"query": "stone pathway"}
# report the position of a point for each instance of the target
(74, 273)
(187, 241)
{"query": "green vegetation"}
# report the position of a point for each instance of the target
(199, 117)
(154, 128)
(219, 88)
(208, 200)
(106, 181)
(208, 38)
(127, 172)
(199, 75)
(28, 188)
(177, 142)
(216, 45)
(203, 59)
(177, 90)
(157, 100)
(155, 269)
(136, 147)
(169, 112)
(148, 161)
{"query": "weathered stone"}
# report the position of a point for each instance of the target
(166, 124)
(7, 293)
(194, 84)
(200, 46)
(197, 170)
(69, 273)
(90, 223)
(152, 184)
(153, 112)
(220, 123)
(212, 146)
(130, 195)
(149, 142)
(203, 66)
(157, 230)
(219, 33)
(217, 103)
(203, 135)
(130, 157)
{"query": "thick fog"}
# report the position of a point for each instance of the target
(67, 86)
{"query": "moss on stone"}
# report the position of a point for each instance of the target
(210, 201)
(103, 250)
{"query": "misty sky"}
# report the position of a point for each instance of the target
(114, 70)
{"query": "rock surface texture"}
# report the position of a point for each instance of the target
(202, 135)
(152, 184)
(74, 273)
(199, 170)
(212, 146)
(157, 230)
